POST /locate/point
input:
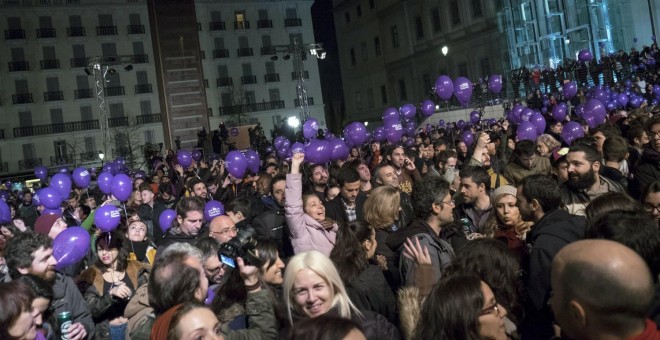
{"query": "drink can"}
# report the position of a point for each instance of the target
(465, 224)
(64, 321)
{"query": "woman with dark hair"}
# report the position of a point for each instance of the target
(109, 283)
(326, 328)
(17, 317)
(187, 321)
(651, 200)
(365, 283)
(43, 295)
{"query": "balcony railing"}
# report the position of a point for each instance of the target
(16, 66)
(217, 54)
(295, 75)
(310, 101)
(14, 34)
(61, 160)
(237, 109)
(148, 119)
(220, 82)
(248, 80)
(75, 31)
(78, 62)
(46, 129)
(89, 156)
(22, 98)
(241, 25)
(265, 23)
(29, 163)
(4, 167)
(53, 96)
(50, 64)
(114, 91)
(135, 29)
(217, 26)
(118, 121)
(245, 52)
(46, 33)
(83, 93)
(143, 88)
(267, 50)
(140, 58)
(293, 22)
(106, 30)
(271, 77)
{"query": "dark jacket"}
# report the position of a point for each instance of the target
(373, 325)
(577, 200)
(151, 215)
(67, 298)
(270, 224)
(551, 233)
(615, 175)
(464, 210)
(370, 291)
(407, 214)
(174, 235)
(335, 209)
(646, 172)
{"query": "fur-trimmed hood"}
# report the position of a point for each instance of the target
(410, 308)
(94, 277)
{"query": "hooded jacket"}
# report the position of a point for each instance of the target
(67, 298)
(646, 172)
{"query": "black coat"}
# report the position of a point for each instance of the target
(646, 172)
(152, 214)
(370, 291)
(335, 209)
(270, 224)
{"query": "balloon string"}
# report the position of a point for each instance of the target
(125, 213)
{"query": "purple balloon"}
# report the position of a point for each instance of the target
(310, 128)
(444, 87)
(210, 295)
(585, 55)
(570, 90)
(559, 112)
(408, 111)
(622, 99)
(236, 163)
(5, 212)
(475, 117)
(538, 121)
(278, 141)
(463, 90)
(441, 123)
(213, 209)
(495, 83)
(379, 134)
(297, 147)
(81, 177)
(63, 170)
(339, 150)
(656, 90)
(196, 155)
(526, 131)
(70, 246)
(467, 137)
(427, 107)
(107, 217)
(184, 157)
(393, 132)
(49, 211)
(140, 174)
(61, 183)
(41, 172)
(253, 161)
(571, 131)
(356, 133)
(165, 219)
(233, 132)
(122, 187)
(318, 151)
(104, 181)
(390, 115)
(109, 167)
(525, 115)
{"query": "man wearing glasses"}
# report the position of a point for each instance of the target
(648, 169)
(222, 229)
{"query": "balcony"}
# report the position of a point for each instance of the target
(43, 33)
(241, 25)
(22, 98)
(310, 101)
(117, 122)
(246, 80)
(218, 54)
(89, 156)
(220, 82)
(267, 50)
(47, 129)
(148, 119)
(143, 88)
(114, 91)
(83, 93)
(264, 23)
(78, 62)
(53, 96)
(16, 66)
(50, 64)
(106, 30)
(4, 167)
(29, 163)
(61, 160)
(271, 77)
(294, 22)
(135, 29)
(14, 34)
(295, 75)
(246, 108)
(245, 52)
(75, 31)
(140, 58)
(217, 26)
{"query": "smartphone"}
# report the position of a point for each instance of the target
(228, 261)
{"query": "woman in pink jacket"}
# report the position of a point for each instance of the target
(305, 215)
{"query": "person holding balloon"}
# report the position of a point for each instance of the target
(109, 283)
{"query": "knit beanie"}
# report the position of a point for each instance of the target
(44, 223)
(504, 189)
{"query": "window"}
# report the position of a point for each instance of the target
(90, 145)
(247, 69)
(463, 70)
(485, 66)
(29, 151)
(291, 13)
(145, 107)
(263, 14)
(149, 137)
(377, 46)
(105, 20)
(274, 95)
(21, 86)
(25, 118)
(371, 4)
(455, 13)
(219, 43)
(240, 20)
(395, 36)
(225, 98)
(138, 48)
(419, 27)
(45, 22)
(49, 52)
(295, 39)
(14, 23)
(402, 90)
(358, 9)
(365, 53)
(435, 19)
(79, 51)
(109, 49)
(75, 21)
(86, 113)
(352, 56)
(270, 67)
(223, 71)
(476, 8)
(60, 150)
(383, 94)
(358, 100)
(17, 54)
(347, 15)
(142, 78)
(265, 41)
(370, 98)
(134, 19)
(116, 110)
(250, 98)
(216, 16)
(243, 42)
(56, 116)
(52, 84)
(426, 78)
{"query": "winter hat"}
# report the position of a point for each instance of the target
(504, 189)
(44, 223)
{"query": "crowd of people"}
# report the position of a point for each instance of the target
(434, 238)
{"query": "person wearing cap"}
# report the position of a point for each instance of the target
(51, 225)
(506, 224)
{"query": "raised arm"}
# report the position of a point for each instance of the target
(293, 205)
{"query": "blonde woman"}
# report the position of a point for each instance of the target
(381, 211)
(506, 224)
(312, 287)
(545, 144)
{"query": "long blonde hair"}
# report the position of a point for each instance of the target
(323, 267)
(382, 207)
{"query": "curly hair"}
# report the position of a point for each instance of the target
(426, 192)
(382, 207)
(20, 250)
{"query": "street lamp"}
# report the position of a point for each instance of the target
(293, 122)
(444, 50)
(101, 157)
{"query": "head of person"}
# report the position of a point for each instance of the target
(525, 154)
(190, 215)
(545, 144)
(362, 168)
(603, 282)
(312, 286)
(262, 184)
(461, 147)
(637, 136)
(461, 306)
(348, 180)
(177, 276)
(272, 169)
(584, 163)
(213, 268)
(331, 191)
(326, 327)
(211, 185)
(313, 206)
(277, 186)
(197, 188)
(431, 199)
(318, 175)
(537, 195)
(475, 183)
(28, 253)
(355, 245)
(556, 127)
(609, 202)
(385, 174)
(72, 201)
(439, 145)
(137, 231)
(653, 131)
(146, 193)
(17, 317)
(507, 214)
(615, 149)
(560, 164)
(272, 270)
(165, 191)
(43, 295)
(381, 209)
(603, 132)
(27, 197)
(187, 321)
(222, 228)
(651, 200)
(51, 225)
(396, 156)
(111, 250)
(239, 209)
(445, 160)
(136, 198)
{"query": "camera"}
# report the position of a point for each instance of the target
(243, 246)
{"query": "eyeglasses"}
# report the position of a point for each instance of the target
(225, 231)
(655, 133)
(490, 309)
(450, 203)
(651, 208)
